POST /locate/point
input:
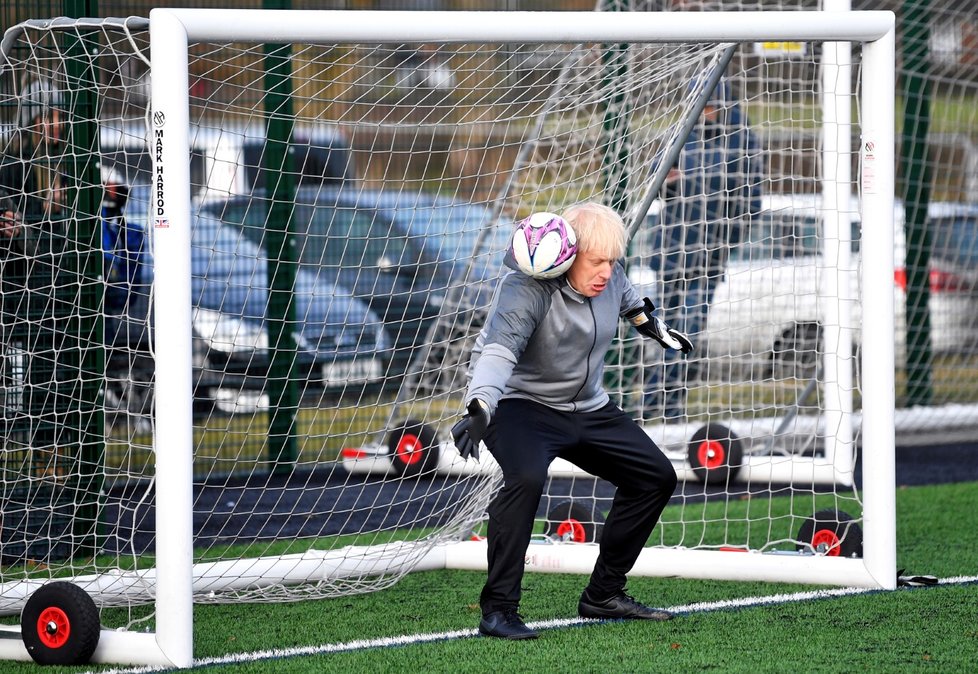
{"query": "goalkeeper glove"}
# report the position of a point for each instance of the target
(655, 328)
(470, 430)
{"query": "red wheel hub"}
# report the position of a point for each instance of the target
(571, 529)
(828, 540)
(711, 454)
(409, 449)
(53, 627)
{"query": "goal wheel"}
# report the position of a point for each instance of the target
(60, 625)
(832, 533)
(715, 454)
(570, 521)
(412, 448)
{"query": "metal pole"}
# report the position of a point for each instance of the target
(280, 188)
(916, 196)
(614, 68)
(173, 443)
(87, 422)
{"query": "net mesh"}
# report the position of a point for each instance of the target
(347, 235)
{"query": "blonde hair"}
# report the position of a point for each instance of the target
(599, 229)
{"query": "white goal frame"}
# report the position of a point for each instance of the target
(172, 30)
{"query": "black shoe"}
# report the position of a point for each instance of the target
(620, 606)
(505, 624)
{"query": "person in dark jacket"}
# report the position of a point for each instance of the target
(714, 187)
(535, 394)
(9, 216)
(31, 185)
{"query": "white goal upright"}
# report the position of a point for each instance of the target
(317, 205)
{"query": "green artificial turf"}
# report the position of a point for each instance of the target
(908, 630)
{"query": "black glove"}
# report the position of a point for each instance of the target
(655, 328)
(470, 430)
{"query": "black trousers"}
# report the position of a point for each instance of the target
(525, 437)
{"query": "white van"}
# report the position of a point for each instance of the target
(227, 161)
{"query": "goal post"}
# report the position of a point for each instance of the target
(420, 122)
(173, 29)
(170, 208)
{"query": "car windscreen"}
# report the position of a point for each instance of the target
(451, 232)
(346, 237)
(785, 234)
(327, 235)
(955, 240)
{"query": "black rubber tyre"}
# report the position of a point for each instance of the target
(715, 454)
(574, 522)
(413, 448)
(60, 625)
(832, 533)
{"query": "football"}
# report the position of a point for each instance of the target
(544, 245)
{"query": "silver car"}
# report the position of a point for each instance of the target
(767, 307)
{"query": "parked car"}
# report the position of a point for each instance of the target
(403, 253)
(226, 161)
(339, 341)
(953, 276)
(767, 306)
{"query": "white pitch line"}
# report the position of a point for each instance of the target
(411, 639)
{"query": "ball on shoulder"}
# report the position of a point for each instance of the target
(544, 245)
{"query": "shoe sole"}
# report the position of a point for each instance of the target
(598, 615)
(513, 637)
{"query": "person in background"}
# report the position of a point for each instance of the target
(31, 186)
(10, 220)
(32, 189)
(713, 188)
(122, 245)
(30, 193)
(535, 394)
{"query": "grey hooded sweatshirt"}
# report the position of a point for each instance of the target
(546, 342)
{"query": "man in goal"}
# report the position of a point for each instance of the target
(535, 394)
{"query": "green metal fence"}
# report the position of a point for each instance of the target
(937, 122)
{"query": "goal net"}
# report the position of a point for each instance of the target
(241, 279)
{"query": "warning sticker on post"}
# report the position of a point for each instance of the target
(868, 163)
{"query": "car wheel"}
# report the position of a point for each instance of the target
(573, 522)
(60, 625)
(413, 448)
(796, 352)
(832, 533)
(715, 454)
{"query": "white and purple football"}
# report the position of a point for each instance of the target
(544, 245)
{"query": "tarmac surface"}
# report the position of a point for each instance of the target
(329, 502)
(936, 464)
